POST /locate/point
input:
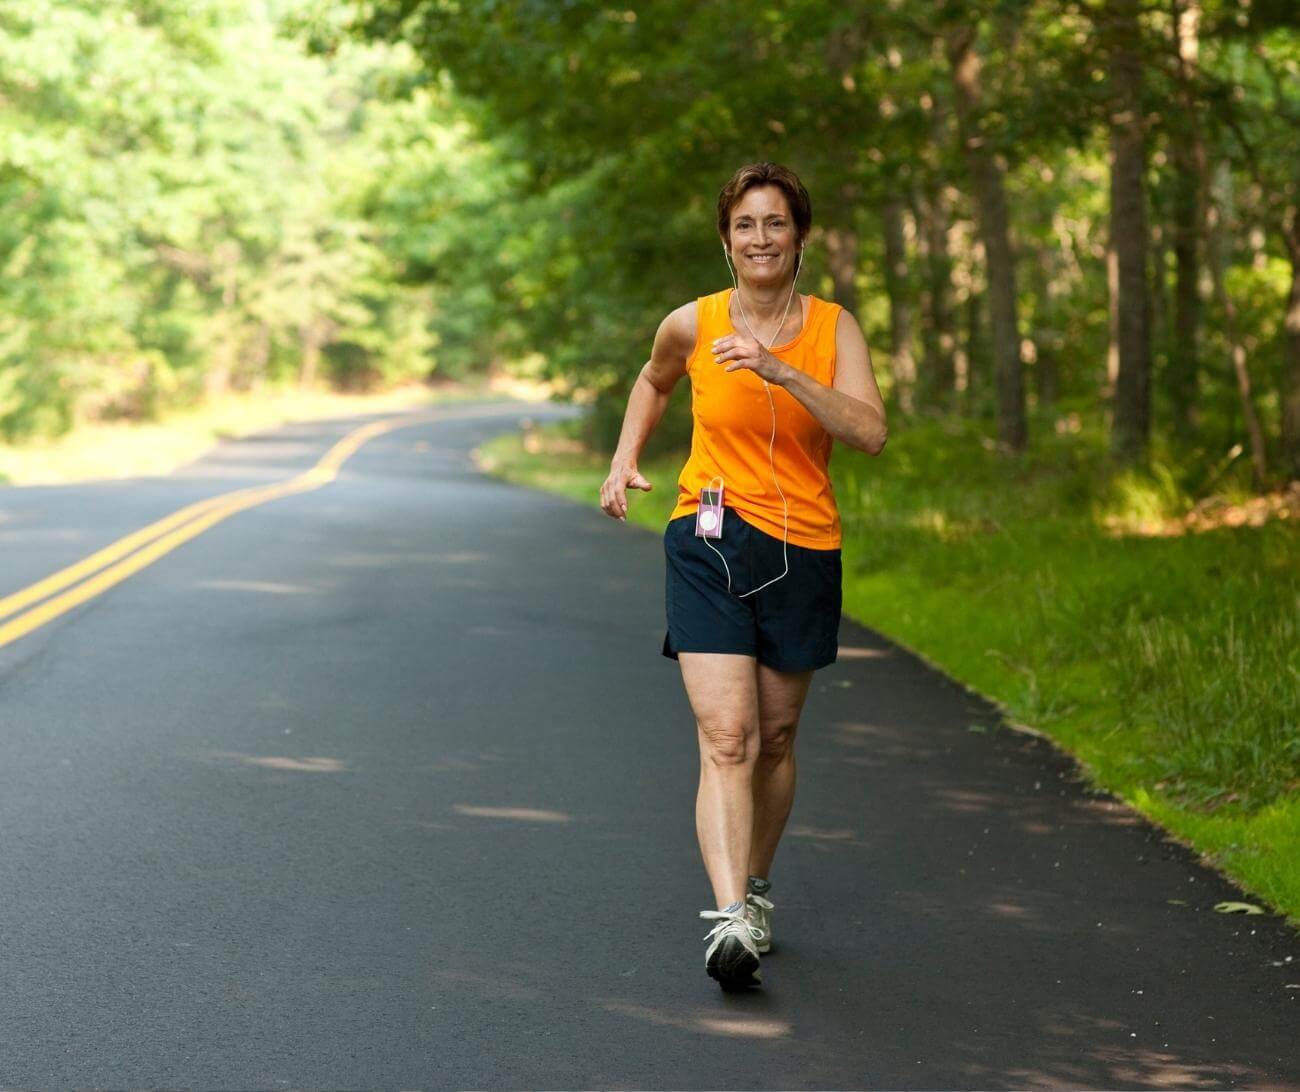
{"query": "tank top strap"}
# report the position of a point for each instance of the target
(718, 318)
(824, 322)
(711, 321)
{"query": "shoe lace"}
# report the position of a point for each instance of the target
(759, 901)
(736, 919)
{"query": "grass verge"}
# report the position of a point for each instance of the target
(1167, 664)
(120, 449)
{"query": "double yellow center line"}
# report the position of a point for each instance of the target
(113, 564)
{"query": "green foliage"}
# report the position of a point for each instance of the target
(621, 123)
(184, 189)
(206, 194)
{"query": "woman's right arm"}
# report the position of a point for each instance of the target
(645, 406)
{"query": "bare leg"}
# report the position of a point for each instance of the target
(780, 700)
(723, 692)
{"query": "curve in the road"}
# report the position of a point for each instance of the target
(131, 553)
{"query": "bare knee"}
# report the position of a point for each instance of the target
(726, 742)
(776, 739)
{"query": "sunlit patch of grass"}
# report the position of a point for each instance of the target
(119, 449)
(559, 464)
(1139, 501)
(1165, 664)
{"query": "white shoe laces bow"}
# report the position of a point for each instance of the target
(736, 919)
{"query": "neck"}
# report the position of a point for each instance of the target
(767, 302)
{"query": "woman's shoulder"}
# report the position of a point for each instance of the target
(829, 314)
(679, 329)
(829, 307)
(683, 323)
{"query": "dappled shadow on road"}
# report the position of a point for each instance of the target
(937, 980)
(703, 1020)
(1016, 927)
(530, 815)
(954, 907)
(873, 1035)
(1139, 1069)
(858, 652)
(264, 586)
(301, 763)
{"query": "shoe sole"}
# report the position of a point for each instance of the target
(734, 966)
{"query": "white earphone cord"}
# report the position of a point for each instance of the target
(785, 507)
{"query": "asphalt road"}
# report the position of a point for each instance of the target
(386, 784)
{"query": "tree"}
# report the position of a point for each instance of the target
(1121, 31)
(987, 175)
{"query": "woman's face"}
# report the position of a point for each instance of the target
(764, 242)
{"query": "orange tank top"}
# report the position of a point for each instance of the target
(732, 428)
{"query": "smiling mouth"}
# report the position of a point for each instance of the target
(763, 259)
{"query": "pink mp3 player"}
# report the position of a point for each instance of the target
(708, 517)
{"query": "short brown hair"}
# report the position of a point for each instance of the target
(754, 175)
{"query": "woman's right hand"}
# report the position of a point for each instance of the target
(613, 494)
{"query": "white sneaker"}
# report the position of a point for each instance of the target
(732, 958)
(760, 910)
(760, 915)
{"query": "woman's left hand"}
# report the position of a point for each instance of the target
(745, 352)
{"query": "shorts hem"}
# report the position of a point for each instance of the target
(815, 665)
(671, 651)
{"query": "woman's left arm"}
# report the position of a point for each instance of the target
(851, 409)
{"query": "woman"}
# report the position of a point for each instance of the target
(753, 545)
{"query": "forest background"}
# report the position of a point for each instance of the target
(1069, 229)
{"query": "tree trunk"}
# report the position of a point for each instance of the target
(1047, 385)
(1291, 355)
(842, 260)
(1156, 294)
(971, 360)
(1183, 372)
(309, 360)
(843, 51)
(216, 380)
(937, 370)
(900, 312)
(1112, 323)
(1187, 156)
(260, 355)
(990, 199)
(1218, 258)
(313, 336)
(1131, 426)
(941, 311)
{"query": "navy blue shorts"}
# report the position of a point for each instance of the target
(792, 625)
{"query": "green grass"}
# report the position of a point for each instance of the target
(1168, 666)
